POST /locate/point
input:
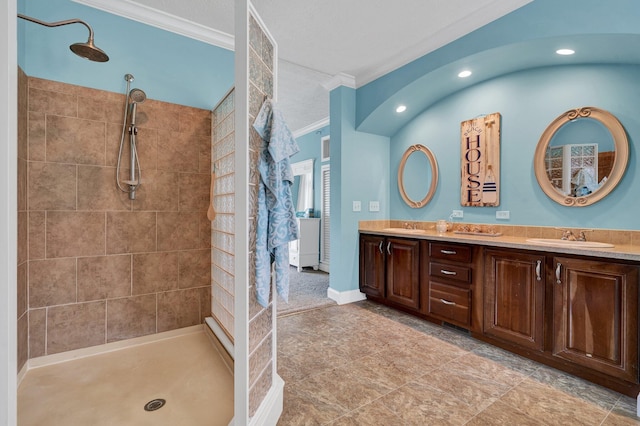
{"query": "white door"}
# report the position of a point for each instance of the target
(325, 230)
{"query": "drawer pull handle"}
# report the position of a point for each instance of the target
(380, 247)
(444, 271)
(538, 263)
(448, 251)
(558, 270)
(389, 248)
(446, 302)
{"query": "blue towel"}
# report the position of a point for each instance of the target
(276, 223)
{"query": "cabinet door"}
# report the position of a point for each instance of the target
(596, 317)
(514, 297)
(403, 272)
(372, 265)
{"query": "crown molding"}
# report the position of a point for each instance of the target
(340, 79)
(311, 128)
(162, 20)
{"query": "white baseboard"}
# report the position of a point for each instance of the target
(344, 297)
(271, 407)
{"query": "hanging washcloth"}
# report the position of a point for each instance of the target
(276, 225)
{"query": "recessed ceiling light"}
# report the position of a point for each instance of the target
(565, 52)
(401, 108)
(465, 73)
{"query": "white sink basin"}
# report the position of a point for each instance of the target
(569, 244)
(404, 230)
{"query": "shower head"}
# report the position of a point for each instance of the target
(89, 51)
(86, 50)
(137, 96)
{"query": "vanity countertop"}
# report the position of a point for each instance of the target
(619, 251)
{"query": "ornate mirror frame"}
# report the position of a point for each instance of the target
(434, 176)
(621, 159)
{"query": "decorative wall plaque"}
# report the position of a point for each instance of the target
(480, 161)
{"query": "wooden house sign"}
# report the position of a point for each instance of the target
(480, 161)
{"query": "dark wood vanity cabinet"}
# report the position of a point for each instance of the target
(446, 287)
(514, 293)
(595, 316)
(372, 265)
(390, 269)
(575, 313)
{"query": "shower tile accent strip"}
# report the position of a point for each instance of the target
(93, 266)
(261, 84)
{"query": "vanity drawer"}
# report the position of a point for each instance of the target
(449, 303)
(450, 252)
(450, 272)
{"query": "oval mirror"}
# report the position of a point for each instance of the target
(581, 156)
(417, 176)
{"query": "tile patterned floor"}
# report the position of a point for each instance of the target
(365, 364)
(112, 388)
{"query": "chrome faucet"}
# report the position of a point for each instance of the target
(568, 235)
(408, 225)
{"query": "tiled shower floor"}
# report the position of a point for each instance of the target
(113, 388)
(365, 364)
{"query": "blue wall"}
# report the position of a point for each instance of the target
(310, 148)
(167, 66)
(528, 101)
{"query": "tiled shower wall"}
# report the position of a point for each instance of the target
(103, 268)
(23, 322)
(261, 334)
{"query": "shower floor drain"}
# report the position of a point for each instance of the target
(154, 404)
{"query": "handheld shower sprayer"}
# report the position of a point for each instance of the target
(132, 99)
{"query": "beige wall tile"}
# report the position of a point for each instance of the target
(22, 184)
(37, 236)
(23, 229)
(259, 328)
(194, 191)
(37, 332)
(58, 103)
(258, 392)
(23, 340)
(178, 152)
(37, 136)
(159, 115)
(155, 272)
(104, 277)
(195, 268)
(22, 289)
(131, 232)
(52, 282)
(23, 114)
(75, 326)
(146, 147)
(98, 108)
(259, 359)
(195, 121)
(131, 317)
(178, 309)
(52, 186)
(73, 140)
(205, 302)
(158, 191)
(205, 230)
(97, 190)
(75, 234)
(53, 86)
(178, 231)
(112, 142)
